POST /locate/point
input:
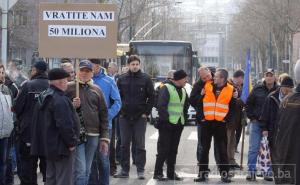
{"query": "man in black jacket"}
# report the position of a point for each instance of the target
(286, 159)
(195, 100)
(172, 109)
(57, 130)
(23, 108)
(137, 94)
(271, 106)
(254, 105)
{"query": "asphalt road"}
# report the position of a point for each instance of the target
(186, 165)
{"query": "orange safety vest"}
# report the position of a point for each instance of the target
(216, 109)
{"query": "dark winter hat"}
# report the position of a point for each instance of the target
(86, 64)
(179, 74)
(287, 82)
(57, 74)
(40, 65)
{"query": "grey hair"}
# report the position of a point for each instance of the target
(171, 74)
(113, 64)
(297, 72)
(66, 64)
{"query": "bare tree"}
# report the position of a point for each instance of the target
(266, 25)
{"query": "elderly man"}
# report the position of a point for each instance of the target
(195, 100)
(69, 68)
(286, 145)
(56, 134)
(91, 104)
(271, 106)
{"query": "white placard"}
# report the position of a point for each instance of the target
(76, 31)
(78, 15)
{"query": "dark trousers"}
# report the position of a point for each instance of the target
(199, 146)
(135, 129)
(3, 158)
(61, 171)
(167, 146)
(9, 161)
(118, 143)
(217, 130)
(112, 154)
(29, 165)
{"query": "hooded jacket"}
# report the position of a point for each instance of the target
(55, 125)
(110, 92)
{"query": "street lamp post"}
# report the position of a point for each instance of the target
(4, 32)
(130, 19)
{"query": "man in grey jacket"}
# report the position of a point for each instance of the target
(6, 123)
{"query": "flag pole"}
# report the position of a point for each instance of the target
(243, 140)
(77, 80)
(245, 93)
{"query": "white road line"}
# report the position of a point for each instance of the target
(191, 175)
(193, 136)
(154, 136)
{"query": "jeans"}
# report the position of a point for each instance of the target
(83, 159)
(255, 136)
(3, 157)
(100, 169)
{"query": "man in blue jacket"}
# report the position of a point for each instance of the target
(113, 101)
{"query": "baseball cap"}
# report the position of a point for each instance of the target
(270, 70)
(85, 64)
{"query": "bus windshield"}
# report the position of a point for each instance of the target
(157, 60)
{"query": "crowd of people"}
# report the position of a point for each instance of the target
(77, 126)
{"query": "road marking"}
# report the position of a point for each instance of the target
(192, 176)
(193, 136)
(154, 136)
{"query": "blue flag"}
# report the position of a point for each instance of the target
(247, 86)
